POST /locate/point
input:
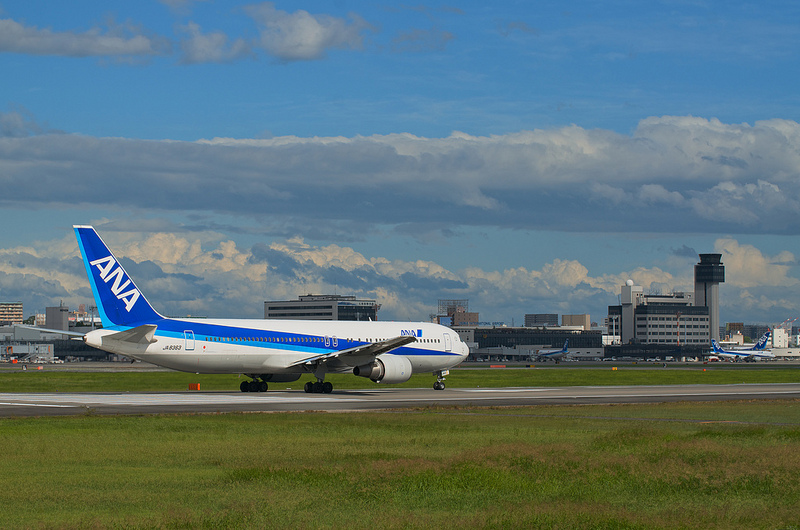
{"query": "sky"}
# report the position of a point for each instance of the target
(527, 156)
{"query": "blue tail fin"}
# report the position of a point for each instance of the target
(566, 343)
(762, 342)
(118, 300)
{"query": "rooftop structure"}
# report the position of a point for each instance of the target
(322, 307)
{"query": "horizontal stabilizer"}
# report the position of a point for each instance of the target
(371, 349)
(139, 335)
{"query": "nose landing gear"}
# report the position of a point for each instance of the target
(439, 384)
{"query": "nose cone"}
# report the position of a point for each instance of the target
(464, 350)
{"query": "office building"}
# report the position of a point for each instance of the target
(659, 319)
(10, 313)
(57, 318)
(576, 321)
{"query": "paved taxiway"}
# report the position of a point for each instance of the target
(51, 404)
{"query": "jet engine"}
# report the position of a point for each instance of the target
(388, 369)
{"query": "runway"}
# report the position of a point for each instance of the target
(55, 404)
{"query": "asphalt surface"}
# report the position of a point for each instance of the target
(55, 404)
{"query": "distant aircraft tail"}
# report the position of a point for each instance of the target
(715, 346)
(566, 343)
(762, 342)
(118, 300)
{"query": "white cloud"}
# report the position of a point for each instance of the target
(116, 41)
(562, 179)
(749, 204)
(302, 36)
(212, 47)
(656, 193)
(746, 266)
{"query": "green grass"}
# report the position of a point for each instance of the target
(48, 380)
(684, 465)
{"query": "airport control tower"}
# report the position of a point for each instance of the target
(708, 274)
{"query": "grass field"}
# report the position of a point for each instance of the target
(684, 465)
(677, 465)
(48, 380)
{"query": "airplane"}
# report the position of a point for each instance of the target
(555, 355)
(751, 354)
(266, 351)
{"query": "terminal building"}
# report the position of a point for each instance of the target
(658, 318)
(521, 344)
(323, 307)
(541, 319)
(676, 324)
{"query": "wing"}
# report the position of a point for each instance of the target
(45, 330)
(372, 349)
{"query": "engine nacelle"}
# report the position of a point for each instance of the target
(280, 378)
(387, 369)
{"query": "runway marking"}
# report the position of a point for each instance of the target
(66, 400)
(476, 390)
(19, 404)
(377, 399)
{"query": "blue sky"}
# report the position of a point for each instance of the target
(530, 157)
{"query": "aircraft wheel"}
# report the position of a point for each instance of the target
(309, 387)
(253, 386)
(438, 385)
(317, 387)
(262, 386)
(327, 387)
(244, 386)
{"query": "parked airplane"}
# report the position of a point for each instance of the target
(747, 355)
(555, 355)
(264, 350)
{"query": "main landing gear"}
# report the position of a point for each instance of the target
(439, 384)
(319, 387)
(253, 386)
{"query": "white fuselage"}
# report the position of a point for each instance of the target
(276, 346)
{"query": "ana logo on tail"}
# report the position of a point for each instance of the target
(108, 273)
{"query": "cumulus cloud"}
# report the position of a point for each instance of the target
(665, 177)
(656, 193)
(117, 40)
(199, 47)
(302, 36)
(18, 123)
(297, 36)
(204, 274)
(747, 266)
